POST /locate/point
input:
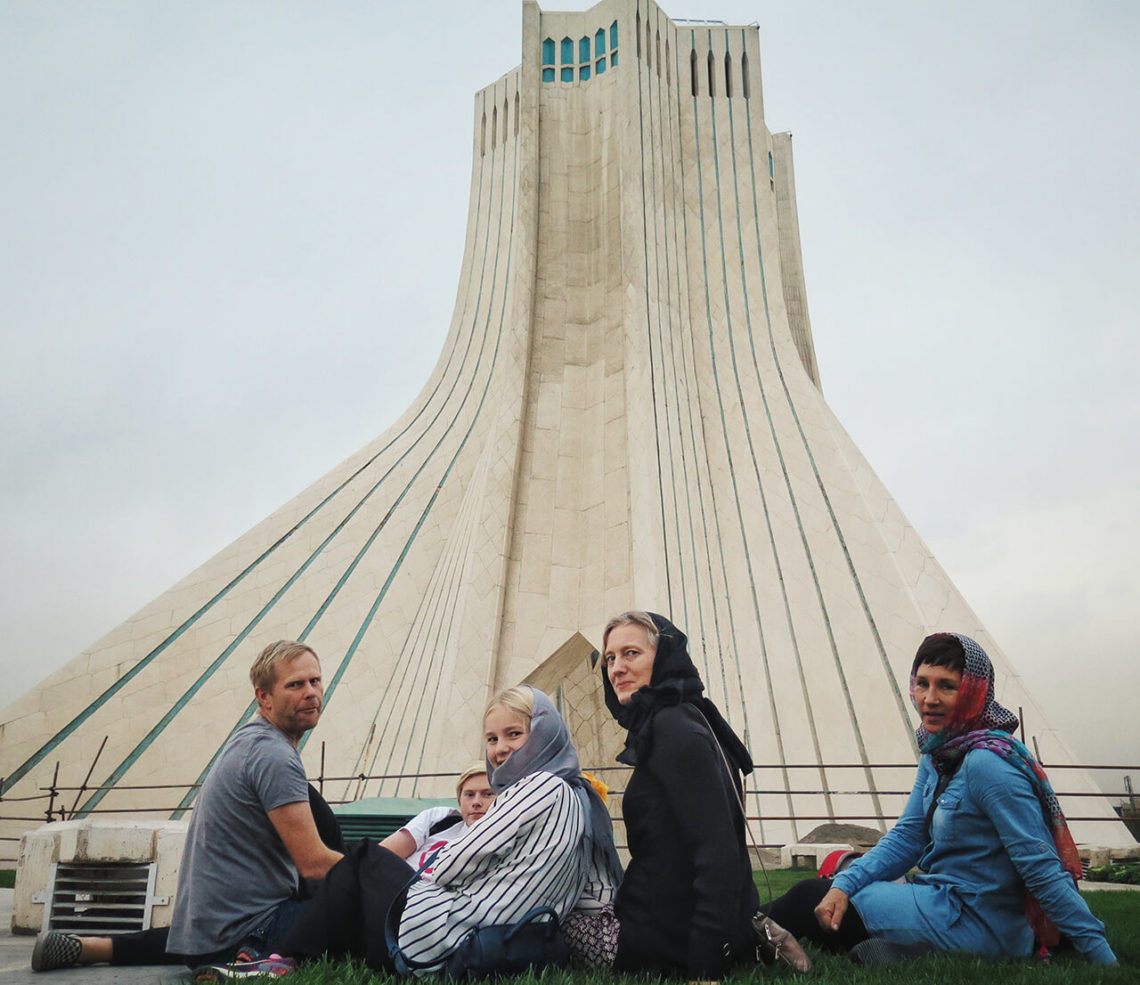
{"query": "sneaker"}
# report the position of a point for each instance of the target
(876, 952)
(273, 966)
(55, 950)
(775, 944)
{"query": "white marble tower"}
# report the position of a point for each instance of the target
(627, 412)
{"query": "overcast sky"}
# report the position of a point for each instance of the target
(230, 236)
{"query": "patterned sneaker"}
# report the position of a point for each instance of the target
(875, 952)
(273, 966)
(55, 950)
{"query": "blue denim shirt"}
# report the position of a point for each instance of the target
(988, 840)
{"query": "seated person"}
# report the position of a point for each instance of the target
(258, 842)
(688, 903)
(541, 843)
(437, 826)
(997, 867)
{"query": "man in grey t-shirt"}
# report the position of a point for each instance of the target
(252, 836)
(252, 832)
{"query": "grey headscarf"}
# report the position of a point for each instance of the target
(550, 750)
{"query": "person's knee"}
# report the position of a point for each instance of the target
(808, 893)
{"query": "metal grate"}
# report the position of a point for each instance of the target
(372, 826)
(111, 898)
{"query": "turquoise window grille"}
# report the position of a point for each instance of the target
(548, 60)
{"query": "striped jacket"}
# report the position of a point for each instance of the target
(527, 851)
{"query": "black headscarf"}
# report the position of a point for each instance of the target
(674, 680)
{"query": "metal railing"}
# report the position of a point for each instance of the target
(55, 797)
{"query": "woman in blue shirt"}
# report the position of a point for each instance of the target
(997, 866)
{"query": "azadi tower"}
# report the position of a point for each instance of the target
(627, 412)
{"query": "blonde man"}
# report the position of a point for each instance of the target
(439, 826)
(252, 838)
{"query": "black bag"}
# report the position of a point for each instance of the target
(486, 952)
(533, 943)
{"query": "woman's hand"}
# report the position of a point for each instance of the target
(831, 908)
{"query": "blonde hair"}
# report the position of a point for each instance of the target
(519, 699)
(634, 617)
(263, 672)
(473, 770)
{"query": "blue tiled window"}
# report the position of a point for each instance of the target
(591, 56)
(548, 60)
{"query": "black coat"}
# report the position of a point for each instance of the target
(687, 899)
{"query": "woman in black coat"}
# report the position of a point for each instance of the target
(687, 902)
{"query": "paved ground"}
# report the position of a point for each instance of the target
(16, 963)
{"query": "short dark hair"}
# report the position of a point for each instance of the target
(941, 650)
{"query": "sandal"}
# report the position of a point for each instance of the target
(774, 944)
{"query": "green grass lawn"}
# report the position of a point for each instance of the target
(1120, 911)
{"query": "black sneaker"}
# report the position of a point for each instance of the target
(55, 950)
(875, 952)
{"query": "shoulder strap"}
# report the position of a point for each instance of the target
(444, 823)
(401, 961)
(739, 790)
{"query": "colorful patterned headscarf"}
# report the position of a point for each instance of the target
(976, 709)
(979, 722)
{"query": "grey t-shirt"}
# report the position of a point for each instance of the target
(235, 870)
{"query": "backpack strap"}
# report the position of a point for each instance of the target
(402, 963)
(444, 823)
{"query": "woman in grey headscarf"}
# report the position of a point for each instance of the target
(546, 841)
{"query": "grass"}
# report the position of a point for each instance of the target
(1120, 911)
(7, 878)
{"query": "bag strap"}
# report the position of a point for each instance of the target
(444, 823)
(739, 801)
(403, 964)
(532, 916)
(401, 961)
